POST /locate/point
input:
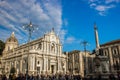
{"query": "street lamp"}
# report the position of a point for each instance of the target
(30, 28)
(85, 43)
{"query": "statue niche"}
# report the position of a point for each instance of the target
(53, 47)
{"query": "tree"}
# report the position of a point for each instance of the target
(2, 46)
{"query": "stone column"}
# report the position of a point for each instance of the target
(60, 62)
(30, 62)
(111, 60)
(73, 63)
(50, 47)
(56, 52)
(15, 65)
(65, 66)
(86, 63)
(119, 49)
(42, 46)
(57, 64)
(57, 49)
(47, 64)
(18, 66)
(33, 63)
(21, 61)
(81, 65)
(67, 62)
(36, 62)
(55, 68)
(43, 64)
(10, 64)
(60, 50)
(47, 47)
(119, 53)
(6, 67)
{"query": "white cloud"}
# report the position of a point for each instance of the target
(45, 14)
(102, 13)
(91, 1)
(103, 6)
(70, 39)
(102, 9)
(110, 1)
(92, 5)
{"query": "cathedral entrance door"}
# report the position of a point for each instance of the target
(38, 70)
(52, 68)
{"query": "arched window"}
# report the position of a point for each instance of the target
(105, 52)
(115, 52)
(39, 46)
(38, 62)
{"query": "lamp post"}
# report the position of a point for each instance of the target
(85, 43)
(30, 28)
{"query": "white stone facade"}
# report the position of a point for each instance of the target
(44, 55)
(112, 51)
(79, 62)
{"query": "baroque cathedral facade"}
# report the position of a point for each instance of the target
(44, 55)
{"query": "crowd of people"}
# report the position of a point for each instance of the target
(58, 77)
(42, 77)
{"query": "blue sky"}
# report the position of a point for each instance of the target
(73, 20)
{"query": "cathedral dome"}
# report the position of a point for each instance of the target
(12, 38)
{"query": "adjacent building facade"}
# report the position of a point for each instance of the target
(44, 55)
(112, 51)
(80, 62)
